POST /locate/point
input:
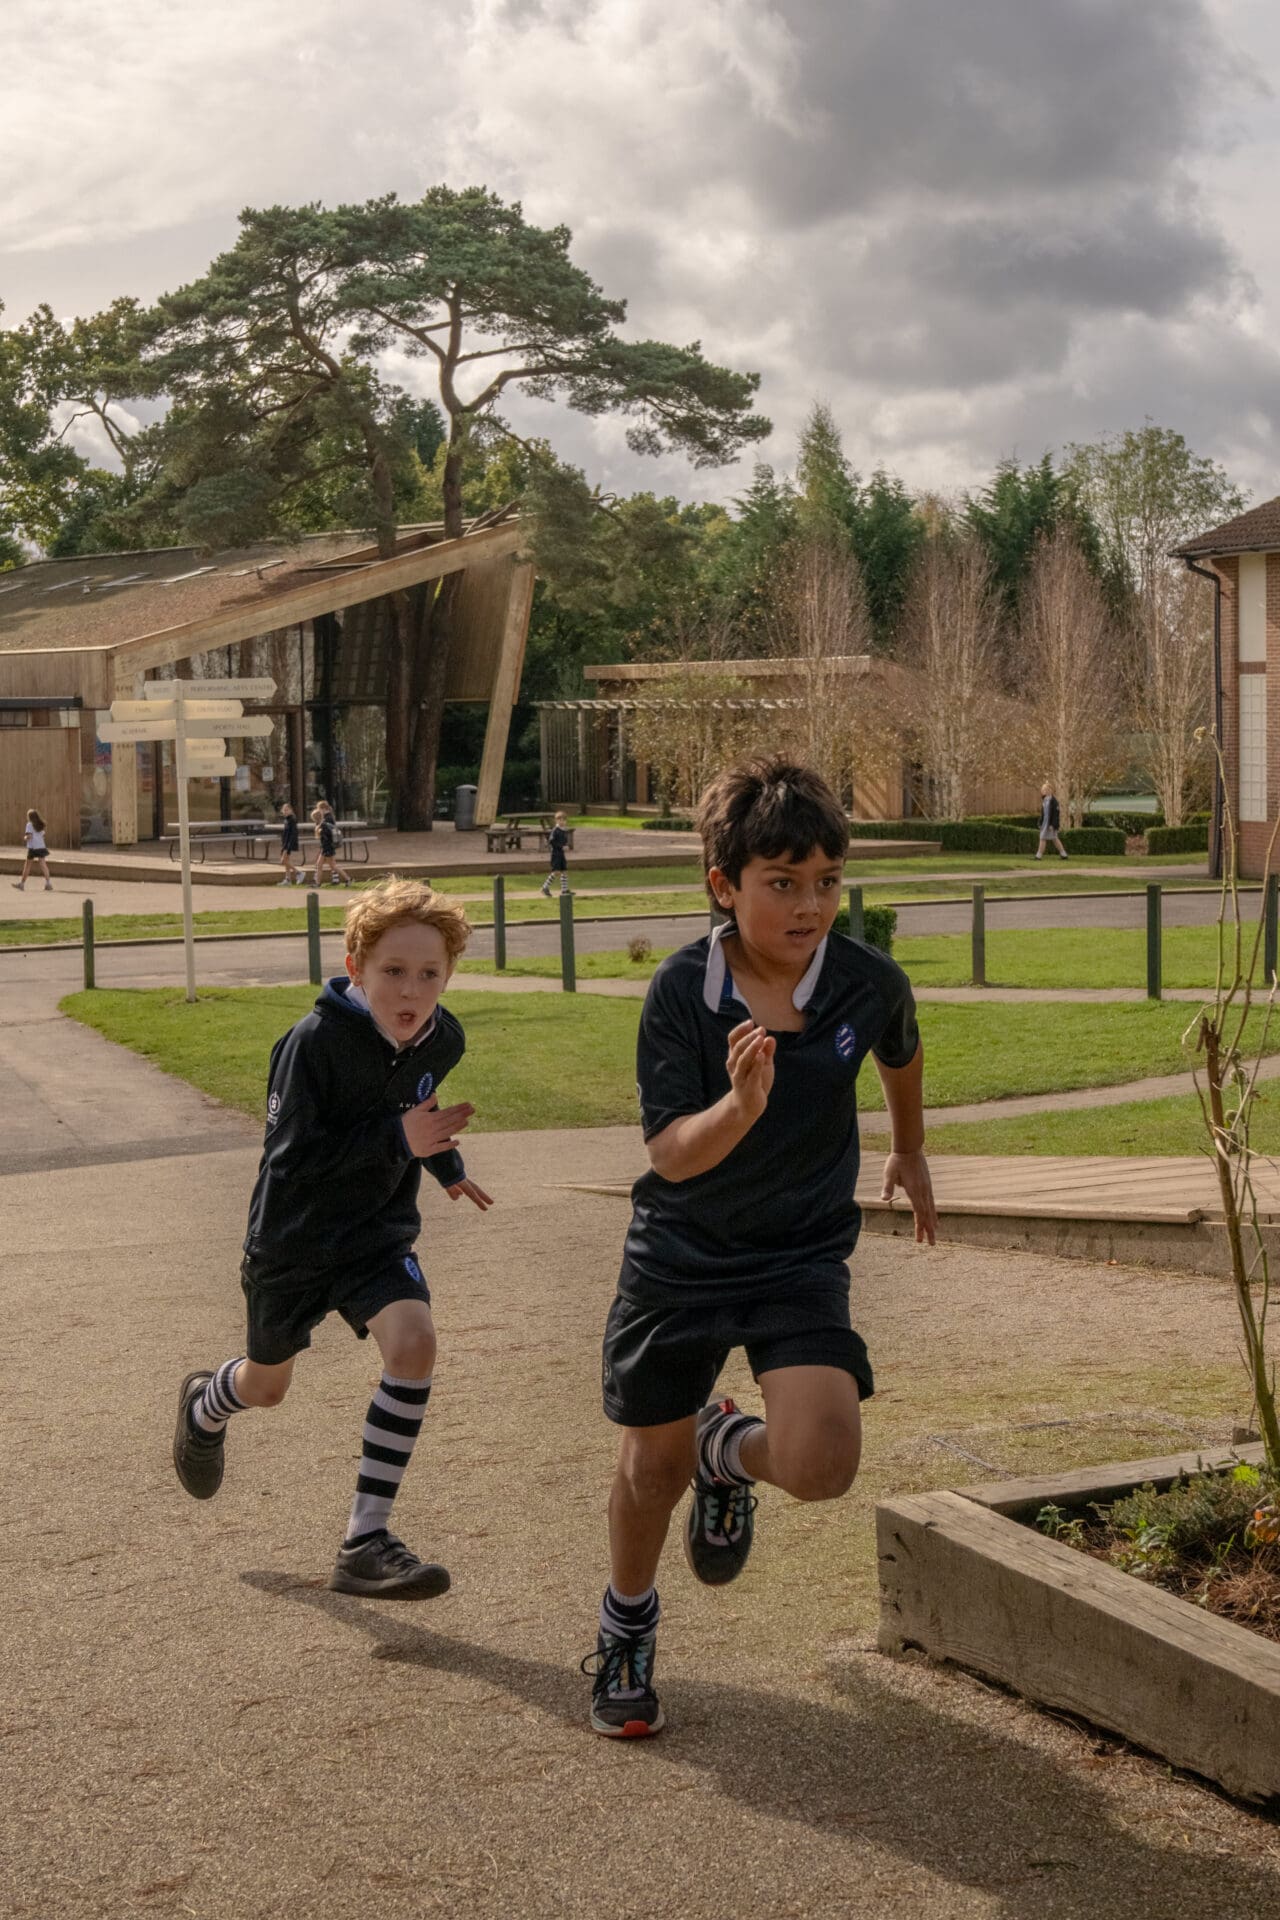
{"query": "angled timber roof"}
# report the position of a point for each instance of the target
(172, 601)
(1257, 531)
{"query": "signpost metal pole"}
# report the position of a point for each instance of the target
(184, 836)
(499, 921)
(313, 938)
(1269, 929)
(1154, 969)
(568, 970)
(979, 936)
(87, 919)
(857, 916)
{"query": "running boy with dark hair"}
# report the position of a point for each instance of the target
(749, 1048)
(352, 1115)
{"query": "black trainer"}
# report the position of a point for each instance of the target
(720, 1525)
(624, 1705)
(384, 1568)
(198, 1459)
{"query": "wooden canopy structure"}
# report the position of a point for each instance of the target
(77, 634)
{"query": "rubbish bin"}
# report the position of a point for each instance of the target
(464, 808)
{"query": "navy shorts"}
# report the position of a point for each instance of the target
(282, 1308)
(661, 1362)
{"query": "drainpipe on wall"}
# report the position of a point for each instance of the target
(1215, 824)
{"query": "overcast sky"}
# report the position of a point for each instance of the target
(977, 228)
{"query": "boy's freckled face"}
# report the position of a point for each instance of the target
(783, 907)
(403, 975)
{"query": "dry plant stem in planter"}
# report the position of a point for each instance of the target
(1227, 1089)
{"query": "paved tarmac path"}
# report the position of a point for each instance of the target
(190, 1724)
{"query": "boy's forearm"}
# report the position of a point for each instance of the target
(696, 1142)
(904, 1101)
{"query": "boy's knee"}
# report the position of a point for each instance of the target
(272, 1393)
(824, 1470)
(410, 1356)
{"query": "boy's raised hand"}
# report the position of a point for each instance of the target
(750, 1064)
(431, 1128)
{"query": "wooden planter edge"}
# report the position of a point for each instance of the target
(963, 1582)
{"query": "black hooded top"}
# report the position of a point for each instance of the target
(338, 1181)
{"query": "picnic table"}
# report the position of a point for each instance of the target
(245, 836)
(509, 833)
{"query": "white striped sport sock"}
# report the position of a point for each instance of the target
(391, 1427)
(720, 1447)
(629, 1614)
(215, 1406)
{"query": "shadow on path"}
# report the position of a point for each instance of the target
(965, 1803)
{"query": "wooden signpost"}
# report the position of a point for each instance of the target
(170, 710)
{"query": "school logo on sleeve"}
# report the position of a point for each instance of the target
(273, 1109)
(846, 1041)
(425, 1085)
(413, 1270)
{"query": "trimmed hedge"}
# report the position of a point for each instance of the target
(1095, 840)
(879, 926)
(1193, 838)
(675, 824)
(894, 829)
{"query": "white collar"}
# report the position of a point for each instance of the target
(357, 997)
(718, 984)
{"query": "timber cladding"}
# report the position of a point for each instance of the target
(40, 767)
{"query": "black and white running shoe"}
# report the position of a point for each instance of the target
(624, 1705)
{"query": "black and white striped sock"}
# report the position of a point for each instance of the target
(211, 1411)
(629, 1614)
(720, 1448)
(391, 1426)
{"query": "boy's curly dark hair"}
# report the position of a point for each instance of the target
(767, 807)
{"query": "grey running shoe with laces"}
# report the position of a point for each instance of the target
(624, 1705)
(720, 1524)
(383, 1568)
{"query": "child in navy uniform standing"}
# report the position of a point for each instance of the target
(352, 1115)
(748, 1053)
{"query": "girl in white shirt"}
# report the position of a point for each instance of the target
(37, 851)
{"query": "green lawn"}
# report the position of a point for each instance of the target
(550, 1060)
(1068, 957)
(1135, 1127)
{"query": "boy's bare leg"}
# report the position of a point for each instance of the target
(259, 1386)
(655, 1466)
(811, 1442)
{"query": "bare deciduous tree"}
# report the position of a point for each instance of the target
(1068, 657)
(1168, 684)
(822, 635)
(687, 727)
(950, 638)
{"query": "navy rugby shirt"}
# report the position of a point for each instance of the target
(338, 1181)
(779, 1208)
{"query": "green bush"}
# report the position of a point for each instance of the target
(1094, 840)
(1189, 839)
(878, 926)
(954, 836)
(1125, 822)
(675, 824)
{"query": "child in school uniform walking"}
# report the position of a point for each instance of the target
(558, 841)
(37, 850)
(289, 846)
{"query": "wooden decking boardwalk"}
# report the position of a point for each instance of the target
(1171, 1190)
